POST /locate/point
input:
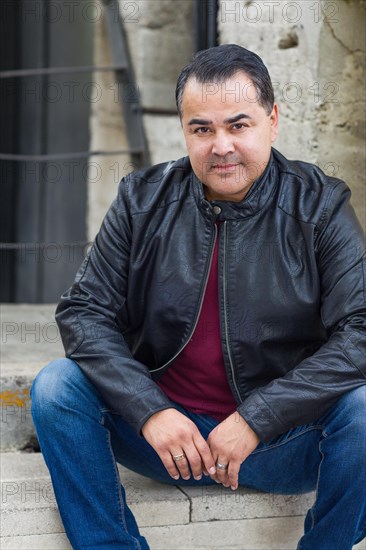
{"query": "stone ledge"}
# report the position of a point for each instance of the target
(57, 541)
(166, 514)
(29, 340)
(250, 535)
(29, 504)
(216, 503)
(29, 334)
(171, 517)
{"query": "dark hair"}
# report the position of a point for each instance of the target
(219, 63)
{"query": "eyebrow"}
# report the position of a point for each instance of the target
(200, 121)
(204, 122)
(236, 118)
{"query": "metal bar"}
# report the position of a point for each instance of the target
(20, 246)
(126, 81)
(200, 25)
(158, 111)
(211, 23)
(205, 24)
(61, 70)
(42, 194)
(61, 156)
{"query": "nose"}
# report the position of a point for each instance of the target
(222, 144)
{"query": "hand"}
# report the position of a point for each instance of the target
(170, 433)
(231, 442)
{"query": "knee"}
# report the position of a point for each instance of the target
(50, 380)
(49, 388)
(352, 407)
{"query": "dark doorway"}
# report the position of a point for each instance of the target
(43, 119)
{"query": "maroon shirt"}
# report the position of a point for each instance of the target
(197, 378)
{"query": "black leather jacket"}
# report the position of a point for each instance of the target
(291, 292)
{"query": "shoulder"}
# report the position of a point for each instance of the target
(156, 186)
(306, 192)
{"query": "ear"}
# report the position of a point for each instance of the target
(274, 122)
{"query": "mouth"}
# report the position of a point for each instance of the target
(224, 167)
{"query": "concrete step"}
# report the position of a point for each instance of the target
(186, 539)
(29, 340)
(205, 518)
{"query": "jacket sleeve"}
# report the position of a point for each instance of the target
(86, 316)
(307, 391)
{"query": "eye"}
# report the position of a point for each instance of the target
(239, 126)
(202, 130)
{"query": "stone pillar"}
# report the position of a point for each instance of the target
(160, 36)
(315, 54)
(107, 134)
(340, 116)
(161, 44)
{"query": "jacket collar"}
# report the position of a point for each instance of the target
(258, 195)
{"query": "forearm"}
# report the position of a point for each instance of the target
(308, 390)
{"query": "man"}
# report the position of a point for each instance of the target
(215, 332)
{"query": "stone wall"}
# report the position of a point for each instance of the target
(315, 53)
(341, 125)
(107, 134)
(160, 36)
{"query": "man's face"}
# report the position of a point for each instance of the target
(228, 135)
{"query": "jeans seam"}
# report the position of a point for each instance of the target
(118, 483)
(312, 510)
(295, 436)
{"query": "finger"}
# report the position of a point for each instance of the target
(170, 465)
(194, 461)
(233, 474)
(205, 454)
(181, 463)
(222, 465)
(214, 476)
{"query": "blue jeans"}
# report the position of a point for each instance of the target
(81, 441)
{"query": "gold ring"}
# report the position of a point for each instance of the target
(178, 457)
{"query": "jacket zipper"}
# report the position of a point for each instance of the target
(199, 309)
(226, 316)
